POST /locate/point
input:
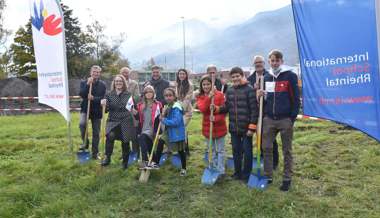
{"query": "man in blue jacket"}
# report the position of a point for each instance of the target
(259, 64)
(97, 93)
(281, 107)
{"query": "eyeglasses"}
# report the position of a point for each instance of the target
(118, 81)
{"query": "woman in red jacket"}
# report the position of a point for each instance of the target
(220, 127)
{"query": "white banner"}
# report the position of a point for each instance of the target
(50, 52)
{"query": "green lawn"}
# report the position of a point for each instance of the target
(337, 174)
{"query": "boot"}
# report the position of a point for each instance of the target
(125, 154)
(106, 161)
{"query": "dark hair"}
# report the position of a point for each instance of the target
(236, 70)
(205, 77)
(183, 87)
(276, 53)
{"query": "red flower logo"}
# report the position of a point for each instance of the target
(52, 25)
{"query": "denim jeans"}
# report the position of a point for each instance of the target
(218, 153)
(242, 154)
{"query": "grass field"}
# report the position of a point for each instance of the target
(337, 174)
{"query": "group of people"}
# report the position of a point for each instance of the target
(167, 109)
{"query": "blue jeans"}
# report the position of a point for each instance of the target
(218, 153)
(242, 148)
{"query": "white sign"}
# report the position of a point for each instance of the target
(50, 53)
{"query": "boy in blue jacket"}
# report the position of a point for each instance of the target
(174, 126)
(282, 103)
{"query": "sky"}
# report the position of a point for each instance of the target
(141, 18)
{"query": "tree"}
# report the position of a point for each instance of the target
(22, 53)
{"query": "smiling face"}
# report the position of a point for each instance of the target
(95, 73)
(169, 96)
(125, 73)
(236, 79)
(275, 62)
(119, 83)
(206, 86)
(156, 74)
(149, 94)
(182, 75)
(259, 64)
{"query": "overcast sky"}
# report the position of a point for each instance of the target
(139, 18)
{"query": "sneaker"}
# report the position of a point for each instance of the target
(183, 172)
(270, 181)
(154, 166)
(285, 186)
(95, 157)
(143, 165)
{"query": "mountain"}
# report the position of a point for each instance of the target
(170, 40)
(235, 45)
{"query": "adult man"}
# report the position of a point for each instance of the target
(132, 85)
(97, 93)
(219, 84)
(259, 64)
(159, 84)
(282, 104)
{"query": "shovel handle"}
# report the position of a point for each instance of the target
(88, 114)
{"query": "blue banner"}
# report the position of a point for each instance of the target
(338, 48)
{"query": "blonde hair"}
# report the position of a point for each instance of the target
(124, 82)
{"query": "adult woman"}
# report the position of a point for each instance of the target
(120, 120)
(184, 91)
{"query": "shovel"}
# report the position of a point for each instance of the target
(83, 154)
(257, 181)
(145, 173)
(210, 174)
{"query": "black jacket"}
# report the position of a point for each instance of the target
(219, 86)
(241, 105)
(159, 86)
(252, 78)
(98, 91)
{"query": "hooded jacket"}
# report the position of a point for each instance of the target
(282, 98)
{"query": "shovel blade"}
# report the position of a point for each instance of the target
(257, 182)
(210, 176)
(133, 156)
(83, 156)
(176, 161)
(163, 159)
(230, 163)
(144, 176)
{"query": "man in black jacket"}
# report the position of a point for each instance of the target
(159, 84)
(241, 106)
(97, 93)
(259, 63)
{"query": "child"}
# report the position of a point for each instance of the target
(174, 126)
(219, 122)
(148, 115)
(241, 105)
(282, 104)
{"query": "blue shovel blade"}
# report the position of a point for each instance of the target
(133, 156)
(176, 161)
(83, 156)
(257, 182)
(230, 163)
(210, 176)
(163, 159)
